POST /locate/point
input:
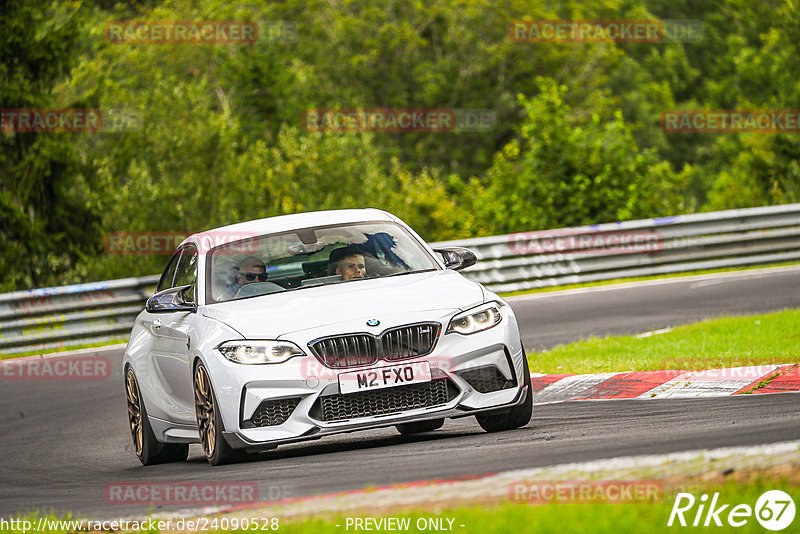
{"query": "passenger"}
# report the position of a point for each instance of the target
(225, 280)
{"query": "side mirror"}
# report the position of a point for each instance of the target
(457, 258)
(171, 300)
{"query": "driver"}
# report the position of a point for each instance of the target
(349, 262)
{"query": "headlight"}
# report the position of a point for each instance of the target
(256, 352)
(476, 319)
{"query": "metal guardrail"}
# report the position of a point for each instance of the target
(85, 313)
(69, 315)
(646, 247)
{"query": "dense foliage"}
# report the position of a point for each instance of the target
(214, 132)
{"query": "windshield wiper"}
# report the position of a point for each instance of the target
(408, 272)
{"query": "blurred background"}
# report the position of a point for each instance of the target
(212, 134)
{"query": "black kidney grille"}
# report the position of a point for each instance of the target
(353, 350)
(346, 351)
(486, 379)
(383, 401)
(274, 412)
(409, 341)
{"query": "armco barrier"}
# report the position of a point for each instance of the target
(68, 315)
(731, 238)
(62, 316)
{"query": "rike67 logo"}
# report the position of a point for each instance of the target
(774, 510)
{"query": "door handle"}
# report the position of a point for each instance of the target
(157, 323)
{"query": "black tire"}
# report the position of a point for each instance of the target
(518, 416)
(209, 421)
(419, 427)
(148, 449)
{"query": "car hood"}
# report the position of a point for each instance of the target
(278, 314)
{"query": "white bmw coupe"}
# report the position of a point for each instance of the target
(295, 327)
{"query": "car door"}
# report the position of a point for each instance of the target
(170, 350)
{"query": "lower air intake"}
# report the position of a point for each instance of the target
(384, 401)
(274, 412)
(486, 379)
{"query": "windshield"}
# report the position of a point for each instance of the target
(311, 257)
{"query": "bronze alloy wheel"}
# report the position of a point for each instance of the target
(148, 449)
(134, 411)
(204, 406)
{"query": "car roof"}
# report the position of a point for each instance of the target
(282, 223)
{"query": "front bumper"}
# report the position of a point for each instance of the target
(304, 381)
(239, 441)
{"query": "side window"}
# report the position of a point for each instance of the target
(169, 273)
(186, 272)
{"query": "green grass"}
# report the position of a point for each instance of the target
(643, 278)
(64, 349)
(711, 344)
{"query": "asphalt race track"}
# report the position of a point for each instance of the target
(62, 442)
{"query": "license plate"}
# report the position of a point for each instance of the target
(385, 377)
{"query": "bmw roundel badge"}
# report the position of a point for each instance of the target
(373, 322)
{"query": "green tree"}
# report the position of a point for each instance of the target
(568, 170)
(45, 224)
